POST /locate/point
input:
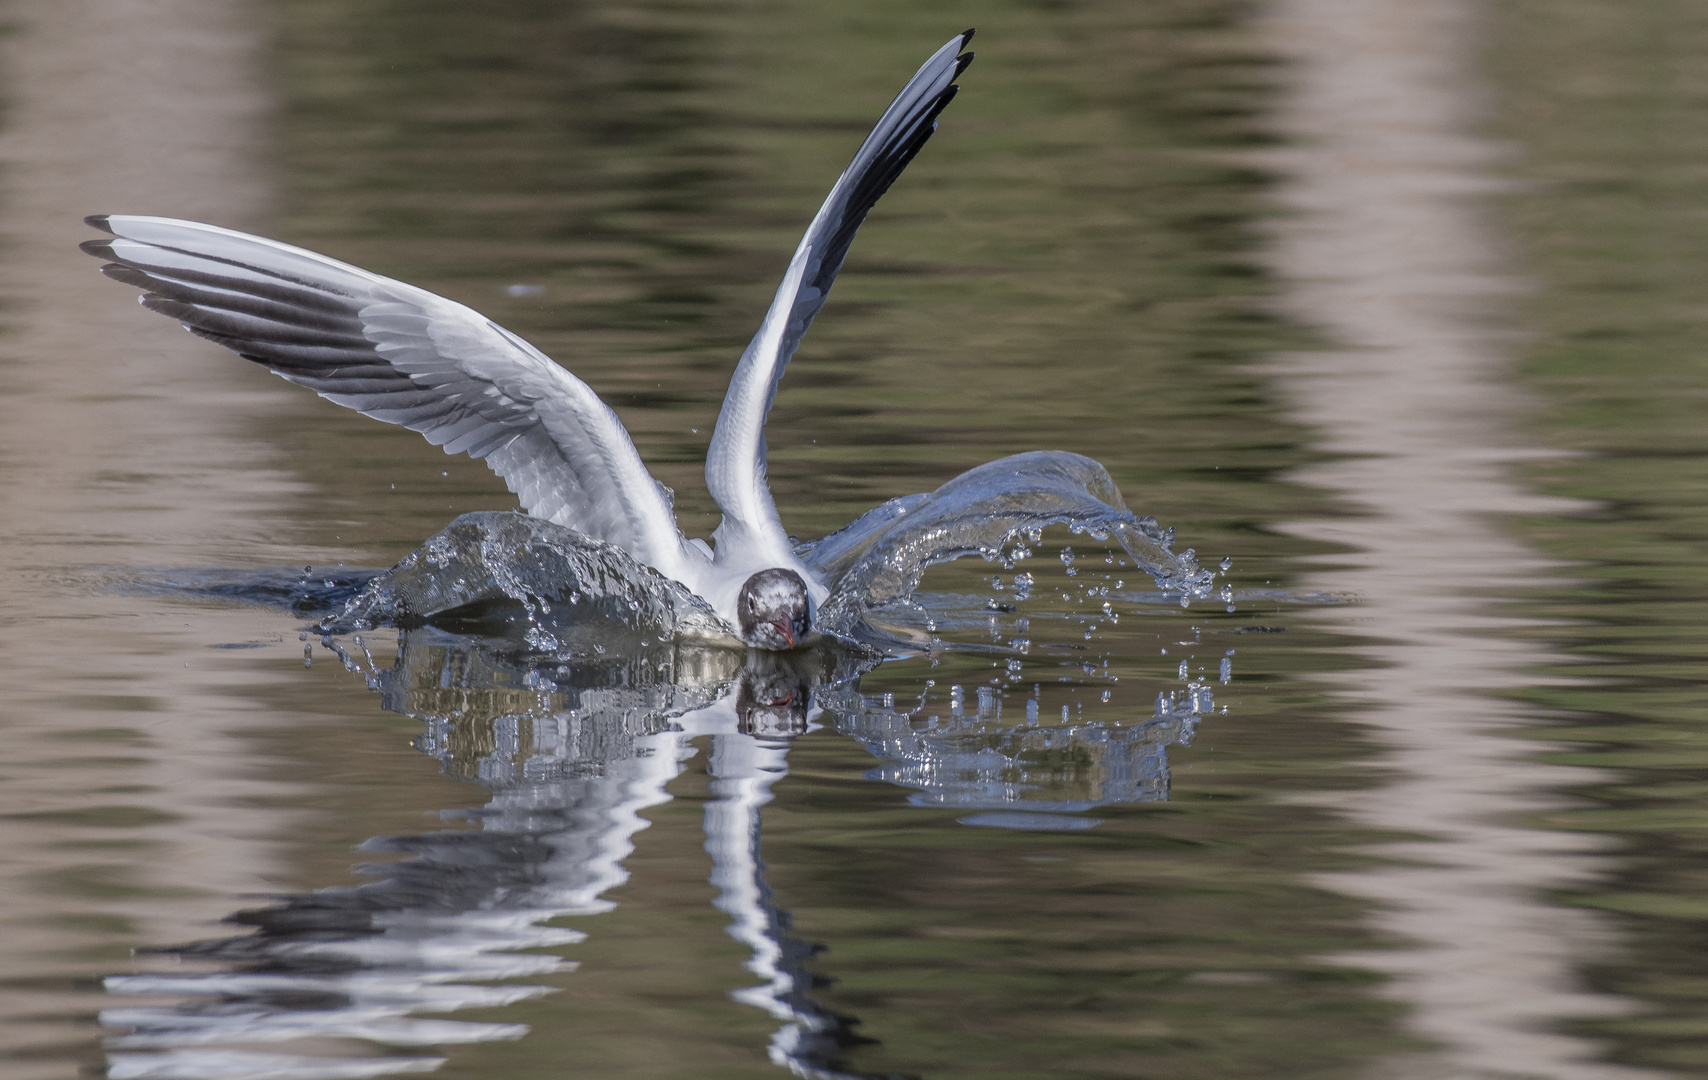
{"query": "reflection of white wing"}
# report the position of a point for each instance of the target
(743, 769)
(735, 464)
(406, 356)
(357, 963)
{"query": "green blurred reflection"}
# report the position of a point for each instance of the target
(1608, 106)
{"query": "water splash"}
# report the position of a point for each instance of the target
(507, 574)
(974, 759)
(994, 511)
(496, 572)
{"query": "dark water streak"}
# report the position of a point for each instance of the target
(1608, 108)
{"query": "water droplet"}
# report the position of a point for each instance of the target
(1105, 697)
(1227, 564)
(1182, 672)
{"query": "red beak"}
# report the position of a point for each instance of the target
(787, 631)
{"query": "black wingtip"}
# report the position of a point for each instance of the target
(965, 58)
(130, 275)
(101, 249)
(99, 221)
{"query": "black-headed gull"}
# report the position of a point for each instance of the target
(407, 356)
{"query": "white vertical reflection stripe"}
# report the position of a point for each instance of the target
(1388, 251)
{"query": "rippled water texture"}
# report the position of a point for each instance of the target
(1394, 307)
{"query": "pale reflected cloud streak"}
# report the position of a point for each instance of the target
(1387, 249)
(121, 444)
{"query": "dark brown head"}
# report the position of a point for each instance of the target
(772, 611)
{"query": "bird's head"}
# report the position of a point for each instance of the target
(772, 610)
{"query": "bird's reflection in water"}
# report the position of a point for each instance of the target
(573, 753)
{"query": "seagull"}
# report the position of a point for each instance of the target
(407, 356)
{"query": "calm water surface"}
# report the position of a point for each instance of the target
(1420, 800)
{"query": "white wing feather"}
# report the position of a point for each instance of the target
(407, 356)
(735, 463)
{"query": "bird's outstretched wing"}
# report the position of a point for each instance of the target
(406, 356)
(735, 464)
